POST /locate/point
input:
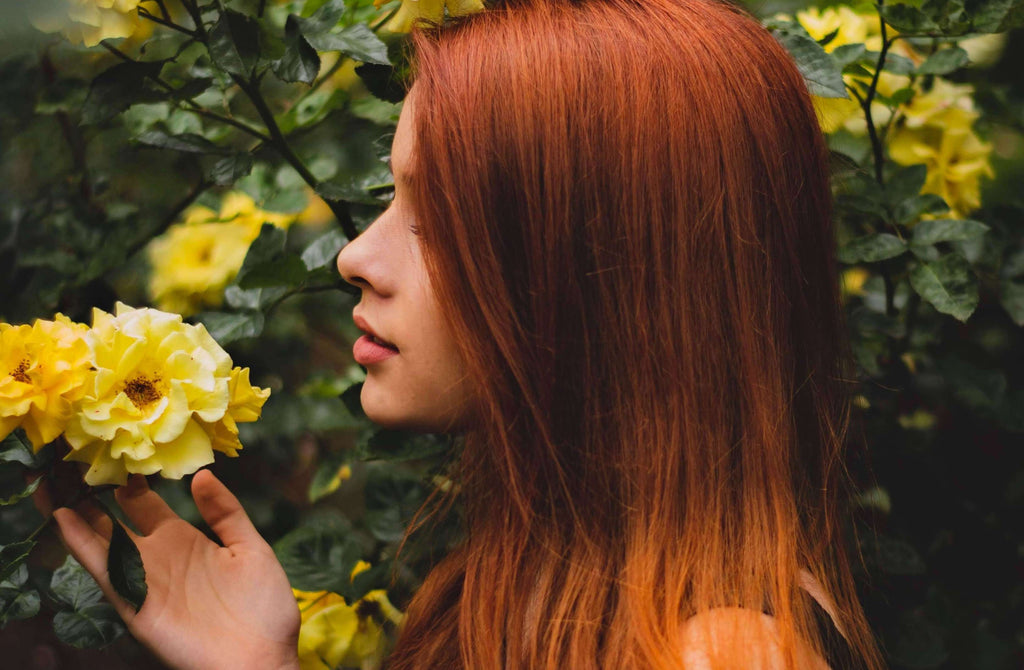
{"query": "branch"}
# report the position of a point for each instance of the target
(277, 140)
(169, 218)
(869, 97)
(144, 13)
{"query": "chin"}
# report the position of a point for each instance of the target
(386, 413)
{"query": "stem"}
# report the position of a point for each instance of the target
(144, 13)
(277, 140)
(197, 18)
(169, 218)
(869, 97)
(262, 8)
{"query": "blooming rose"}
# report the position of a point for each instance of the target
(156, 386)
(194, 260)
(90, 21)
(43, 368)
(335, 634)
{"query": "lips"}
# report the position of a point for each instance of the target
(370, 348)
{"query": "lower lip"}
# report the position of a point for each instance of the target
(368, 352)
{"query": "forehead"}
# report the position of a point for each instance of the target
(402, 144)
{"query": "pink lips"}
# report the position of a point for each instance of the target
(368, 352)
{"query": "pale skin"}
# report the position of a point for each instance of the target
(229, 605)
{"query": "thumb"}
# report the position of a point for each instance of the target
(222, 511)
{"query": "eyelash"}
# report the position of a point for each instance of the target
(414, 229)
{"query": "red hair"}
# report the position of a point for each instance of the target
(625, 209)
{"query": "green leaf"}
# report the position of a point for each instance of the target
(350, 397)
(947, 230)
(318, 558)
(300, 61)
(896, 557)
(326, 479)
(948, 285)
(324, 19)
(15, 448)
(908, 20)
(29, 489)
(227, 327)
(996, 16)
(287, 271)
(16, 604)
(384, 82)
(234, 43)
(226, 171)
(944, 62)
(897, 64)
(117, 88)
(266, 247)
(1011, 297)
(73, 586)
(91, 627)
(12, 556)
(848, 53)
(124, 565)
(357, 41)
(822, 73)
(323, 251)
(911, 209)
(872, 248)
(252, 299)
(981, 389)
(399, 445)
(905, 183)
(391, 501)
(186, 142)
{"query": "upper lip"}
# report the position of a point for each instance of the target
(362, 325)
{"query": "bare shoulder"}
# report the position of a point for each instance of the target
(751, 640)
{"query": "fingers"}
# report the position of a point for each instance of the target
(96, 518)
(145, 508)
(90, 549)
(222, 511)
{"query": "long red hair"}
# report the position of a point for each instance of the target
(626, 212)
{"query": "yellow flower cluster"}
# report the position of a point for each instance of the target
(89, 21)
(139, 392)
(937, 130)
(195, 259)
(335, 634)
(934, 128)
(431, 11)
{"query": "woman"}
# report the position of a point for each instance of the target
(608, 264)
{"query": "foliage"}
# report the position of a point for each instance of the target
(211, 158)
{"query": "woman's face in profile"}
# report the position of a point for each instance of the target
(414, 373)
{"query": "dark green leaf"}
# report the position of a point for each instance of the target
(28, 490)
(226, 171)
(996, 16)
(917, 642)
(351, 399)
(822, 73)
(324, 19)
(848, 53)
(896, 557)
(323, 251)
(944, 62)
(124, 565)
(905, 183)
(1011, 297)
(357, 41)
(908, 20)
(399, 445)
(326, 478)
(286, 270)
(391, 501)
(16, 604)
(872, 248)
(300, 61)
(234, 43)
(91, 627)
(911, 209)
(12, 556)
(116, 89)
(15, 448)
(897, 64)
(187, 142)
(73, 586)
(226, 327)
(979, 388)
(318, 558)
(265, 248)
(384, 82)
(948, 284)
(947, 230)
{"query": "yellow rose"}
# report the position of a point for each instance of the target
(44, 368)
(245, 404)
(155, 378)
(956, 159)
(194, 260)
(431, 11)
(335, 634)
(946, 105)
(90, 21)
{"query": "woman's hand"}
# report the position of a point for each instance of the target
(208, 606)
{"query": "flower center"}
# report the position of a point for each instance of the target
(369, 609)
(20, 373)
(142, 391)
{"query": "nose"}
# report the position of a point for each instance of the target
(350, 259)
